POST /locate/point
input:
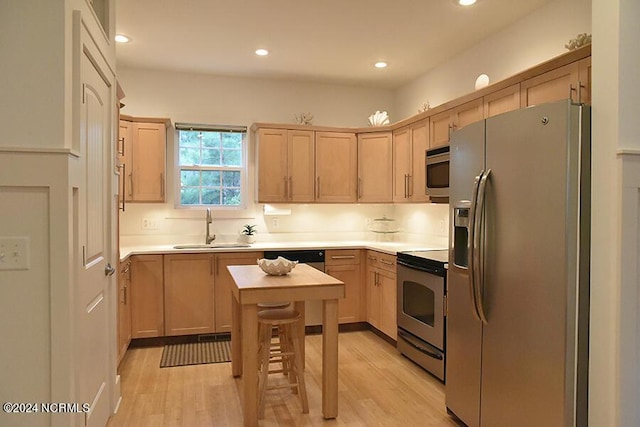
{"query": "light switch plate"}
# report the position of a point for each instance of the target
(14, 253)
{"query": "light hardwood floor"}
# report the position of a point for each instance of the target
(377, 387)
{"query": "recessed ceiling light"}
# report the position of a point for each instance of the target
(121, 38)
(380, 64)
(466, 2)
(262, 52)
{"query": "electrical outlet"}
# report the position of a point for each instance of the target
(275, 222)
(149, 224)
(14, 253)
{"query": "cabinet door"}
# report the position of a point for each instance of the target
(336, 166)
(224, 284)
(188, 294)
(147, 178)
(147, 296)
(502, 101)
(301, 178)
(467, 113)
(402, 165)
(375, 165)
(584, 72)
(388, 303)
(272, 165)
(124, 156)
(551, 86)
(419, 145)
(373, 298)
(124, 309)
(440, 129)
(344, 265)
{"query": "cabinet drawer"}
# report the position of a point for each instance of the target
(387, 262)
(381, 260)
(342, 257)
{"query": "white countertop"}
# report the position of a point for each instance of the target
(387, 247)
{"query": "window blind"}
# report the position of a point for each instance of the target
(210, 128)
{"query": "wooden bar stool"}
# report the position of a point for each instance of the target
(290, 352)
(281, 343)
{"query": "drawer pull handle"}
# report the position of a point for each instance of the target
(343, 256)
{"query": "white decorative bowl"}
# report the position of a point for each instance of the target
(276, 267)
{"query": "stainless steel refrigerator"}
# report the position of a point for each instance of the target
(518, 280)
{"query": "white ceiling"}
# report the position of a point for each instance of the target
(334, 41)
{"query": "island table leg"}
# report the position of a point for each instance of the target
(330, 358)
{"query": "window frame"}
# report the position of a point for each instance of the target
(243, 168)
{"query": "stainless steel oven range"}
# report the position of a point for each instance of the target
(422, 308)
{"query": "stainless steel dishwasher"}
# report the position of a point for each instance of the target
(314, 258)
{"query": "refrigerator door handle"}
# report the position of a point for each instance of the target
(471, 248)
(479, 244)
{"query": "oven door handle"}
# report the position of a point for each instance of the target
(441, 272)
(412, 342)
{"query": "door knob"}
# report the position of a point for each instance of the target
(108, 270)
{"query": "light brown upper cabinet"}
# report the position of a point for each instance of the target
(124, 152)
(410, 144)
(144, 146)
(336, 167)
(285, 165)
(375, 165)
(442, 124)
(345, 168)
(502, 101)
(570, 81)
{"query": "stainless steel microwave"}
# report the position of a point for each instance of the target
(437, 172)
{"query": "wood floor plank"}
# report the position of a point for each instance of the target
(377, 387)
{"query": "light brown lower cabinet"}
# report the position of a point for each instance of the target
(382, 293)
(345, 265)
(189, 294)
(147, 297)
(224, 284)
(124, 308)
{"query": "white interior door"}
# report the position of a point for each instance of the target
(94, 222)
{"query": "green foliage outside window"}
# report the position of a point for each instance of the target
(211, 167)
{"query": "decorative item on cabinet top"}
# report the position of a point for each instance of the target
(425, 106)
(304, 118)
(379, 118)
(581, 39)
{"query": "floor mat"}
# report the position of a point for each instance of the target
(196, 353)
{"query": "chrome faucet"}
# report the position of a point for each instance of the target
(210, 237)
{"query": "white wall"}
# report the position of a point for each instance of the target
(530, 41)
(24, 305)
(200, 98)
(615, 279)
(27, 72)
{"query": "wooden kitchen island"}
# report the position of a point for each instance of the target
(253, 286)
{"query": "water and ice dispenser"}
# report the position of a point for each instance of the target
(461, 236)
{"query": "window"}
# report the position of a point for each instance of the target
(211, 165)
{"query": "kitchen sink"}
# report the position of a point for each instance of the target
(213, 246)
